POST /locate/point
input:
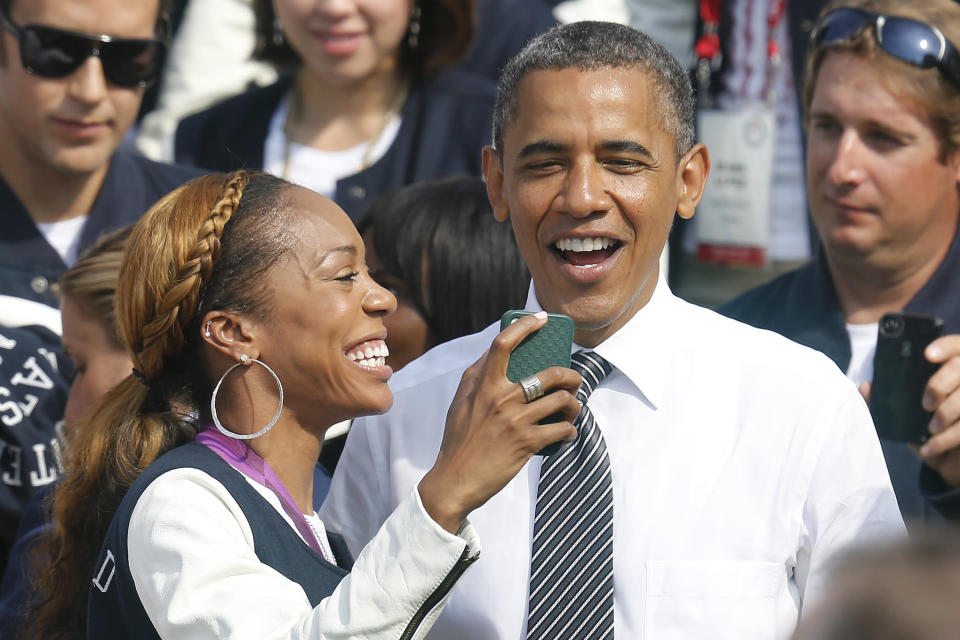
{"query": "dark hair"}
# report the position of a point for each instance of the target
(446, 33)
(162, 26)
(463, 268)
(589, 46)
(927, 89)
(205, 246)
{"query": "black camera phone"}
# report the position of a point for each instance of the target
(900, 374)
(548, 346)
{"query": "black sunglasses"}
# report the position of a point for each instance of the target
(912, 41)
(55, 53)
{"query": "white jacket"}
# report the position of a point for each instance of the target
(191, 556)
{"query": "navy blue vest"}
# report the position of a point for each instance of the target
(114, 609)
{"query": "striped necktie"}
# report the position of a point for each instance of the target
(571, 567)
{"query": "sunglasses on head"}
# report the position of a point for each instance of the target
(55, 53)
(906, 39)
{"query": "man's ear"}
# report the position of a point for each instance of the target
(231, 334)
(693, 170)
(493, 175)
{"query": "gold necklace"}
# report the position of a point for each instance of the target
(295, 108)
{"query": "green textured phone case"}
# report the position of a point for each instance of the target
(549, 346)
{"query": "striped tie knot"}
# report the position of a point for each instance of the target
(593, 368)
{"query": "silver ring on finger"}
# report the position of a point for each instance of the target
(532, 387)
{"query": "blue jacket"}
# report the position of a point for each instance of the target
(30, 267)
(445, 122)
(803, 306)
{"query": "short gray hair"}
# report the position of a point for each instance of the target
(589, 46)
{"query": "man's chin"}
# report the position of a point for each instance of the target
(78, 160)
(855, 242)
(78, 165)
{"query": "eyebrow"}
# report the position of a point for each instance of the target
(542, 146)
(549, 146)
(626, 145)
(331, 253)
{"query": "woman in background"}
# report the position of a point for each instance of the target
(371, 104)
(452, 266)
(98, 359)
(91, 338)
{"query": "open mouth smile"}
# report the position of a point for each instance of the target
(369, 354)
(583, 253)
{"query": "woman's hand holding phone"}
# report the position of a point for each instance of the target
(491, 431)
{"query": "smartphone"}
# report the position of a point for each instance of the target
(900, 374)
(548, 346)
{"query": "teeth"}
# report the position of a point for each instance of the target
(583, 244)
(372, 354)
(372, 362)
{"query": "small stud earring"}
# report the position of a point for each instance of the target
(207, 331)
(244, 358)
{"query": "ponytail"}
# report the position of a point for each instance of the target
(169, 270)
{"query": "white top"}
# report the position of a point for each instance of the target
(316, 169)
(20, 312)
(64, 236)
(741, 462)
(863, 344)
(605, 10)
(673, 23)
(313, 520)
(209, 60)
(192, 559)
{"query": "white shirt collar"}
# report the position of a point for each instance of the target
(640, 349)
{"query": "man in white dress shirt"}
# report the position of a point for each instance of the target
(740, 462)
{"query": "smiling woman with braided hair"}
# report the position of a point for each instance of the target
(253, 325)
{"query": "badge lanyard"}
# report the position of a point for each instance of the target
(733, 220)
(708, 46)
(241, 457)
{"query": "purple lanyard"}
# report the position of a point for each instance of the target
(241, 457)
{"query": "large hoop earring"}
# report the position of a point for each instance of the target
(213, 402)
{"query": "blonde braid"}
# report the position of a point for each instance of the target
(177, 307)
(168, 264)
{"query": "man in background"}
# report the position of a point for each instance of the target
(72, 74)
(883, 184)
(68, 96)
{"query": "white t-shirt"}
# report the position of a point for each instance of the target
(316, 169)
(863, 343)
(64, 236)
